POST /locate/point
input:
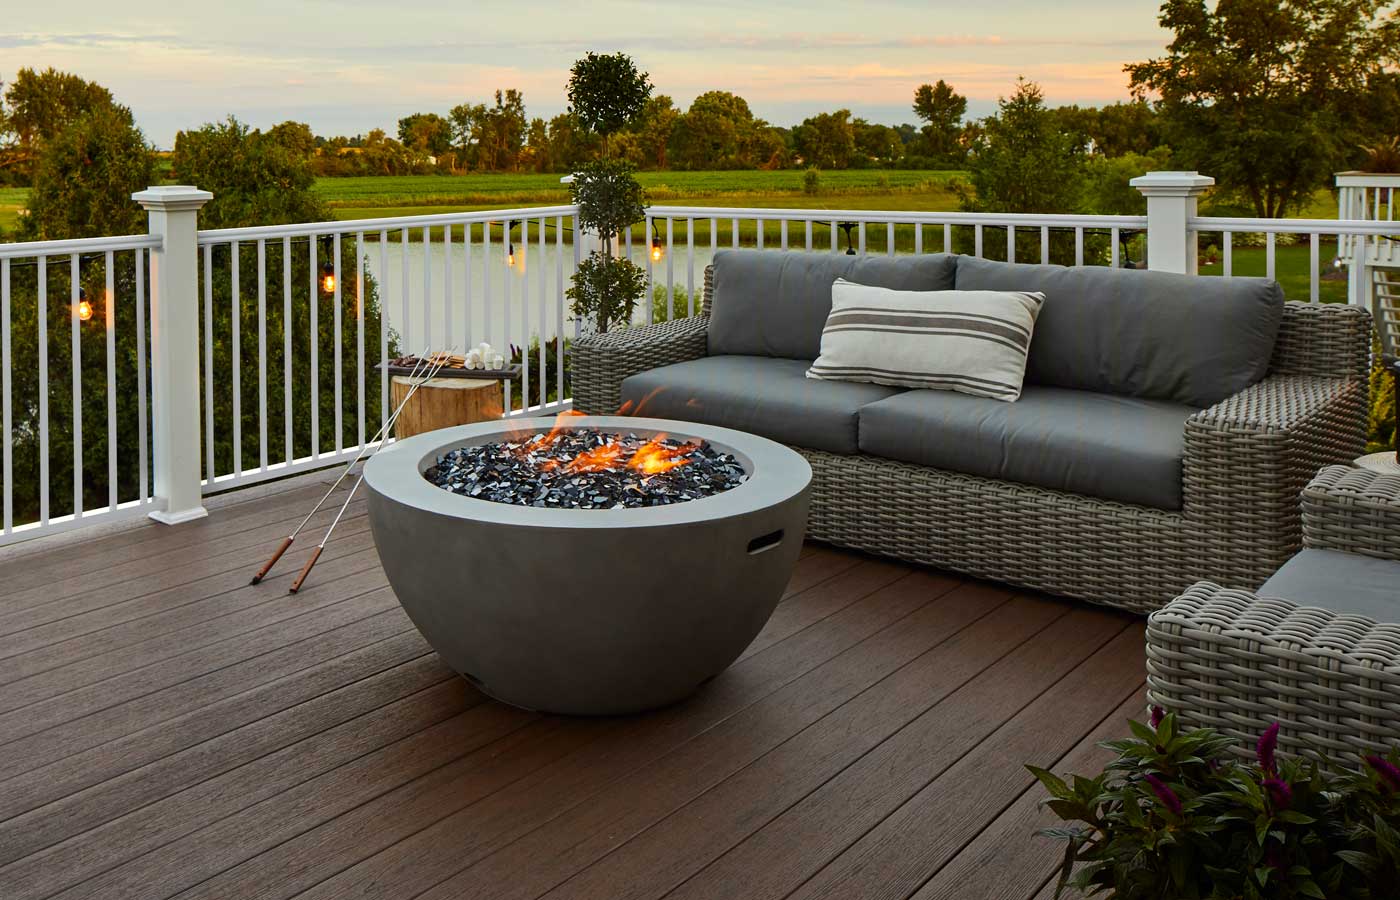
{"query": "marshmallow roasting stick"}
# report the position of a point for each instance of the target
(443, 360)
(287, 541)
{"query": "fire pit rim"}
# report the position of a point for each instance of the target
(775, 473)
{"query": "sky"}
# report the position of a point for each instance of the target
(346, 66)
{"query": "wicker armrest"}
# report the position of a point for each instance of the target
(1247, 459)
(1229, 660)
(602, 361)
(1354, 510)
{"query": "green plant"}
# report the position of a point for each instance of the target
(606, 287)
(606, 92)
(550, 372)
(1175, 816)
(812, 181)
(1380, 414)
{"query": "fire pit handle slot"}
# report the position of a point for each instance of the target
(765, 542)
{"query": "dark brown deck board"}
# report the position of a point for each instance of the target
(167, 730)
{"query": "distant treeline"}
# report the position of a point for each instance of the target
(717, 131)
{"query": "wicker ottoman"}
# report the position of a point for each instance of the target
(1237, 662)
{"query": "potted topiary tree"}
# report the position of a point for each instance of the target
(606, 92)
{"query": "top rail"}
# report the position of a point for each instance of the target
(898, 217)
(79, 245)
(1292, 226)
(352, 226)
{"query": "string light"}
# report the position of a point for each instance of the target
(328, 278)
(84, 307)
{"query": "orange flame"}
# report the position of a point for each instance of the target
(561, 425)
(599, 459)
(653, 457)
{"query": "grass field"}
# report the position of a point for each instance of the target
(11, 202)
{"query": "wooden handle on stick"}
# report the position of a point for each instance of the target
(276, 555)
(305, 570)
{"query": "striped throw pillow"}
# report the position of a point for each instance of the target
(975, 342)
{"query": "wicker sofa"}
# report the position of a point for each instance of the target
(1242, 460)
(1297, 652)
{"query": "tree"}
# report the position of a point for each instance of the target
(1025, 163)
(942, 110)
(85, 178)
(606, 92)
(876, 143)
(570, 145)
(1121, 128)
(654, 126)
(37, 107)
(826, 140)
(428, 133)
(1270, 96)
(256, 177)
(719, 131)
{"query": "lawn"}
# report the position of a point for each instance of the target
(12, 200)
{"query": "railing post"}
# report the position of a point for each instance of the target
(174, 215)
(1171, 203)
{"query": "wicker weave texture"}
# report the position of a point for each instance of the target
(1228, 660)
(1125, 556)
(1247, 458)
(1353, 510)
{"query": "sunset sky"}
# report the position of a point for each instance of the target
(346, 66)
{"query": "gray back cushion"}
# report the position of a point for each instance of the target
(769, 303)
(1185, 338)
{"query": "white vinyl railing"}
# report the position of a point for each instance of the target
(218, 358)
(65, 459)
(438, 282)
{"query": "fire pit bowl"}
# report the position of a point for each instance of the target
(588, 611)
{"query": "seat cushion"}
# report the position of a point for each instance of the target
(1160, 335)
(771, 303)
(761, 395)
(1340, 582)
(1103, 445)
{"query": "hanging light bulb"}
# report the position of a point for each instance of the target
(510, 255)
(655, 250)
(328, 278)
(84, 307)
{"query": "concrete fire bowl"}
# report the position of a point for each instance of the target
(589, 612)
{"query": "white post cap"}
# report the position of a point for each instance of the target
(1172, 184)
(567, 179)
(172, 197)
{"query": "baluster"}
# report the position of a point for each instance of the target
(289, 449)
(110, 329)
(235, 345)
(1314, 272)
(384, 329)
(1011, 243)
(262, 354)
(43, 316)
(314, 338)
(1226, 255)
(359, 339)
(690, 263)
(1045, 244)
(1269, 242)
(1078, 246)
(524, 318)
(143, 493)
(889, 239)
(7, 425)
(651, 277)
(670, 270)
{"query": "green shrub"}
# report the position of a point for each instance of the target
(812, 181)
(1175, 816)
(1380, 417)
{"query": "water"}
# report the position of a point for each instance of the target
(456, 297)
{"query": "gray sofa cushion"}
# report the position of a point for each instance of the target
(1174, 337)
(769, 303)
(1340, 582)
(1103, 445)
(761, 395)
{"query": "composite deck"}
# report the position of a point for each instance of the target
(167, 730)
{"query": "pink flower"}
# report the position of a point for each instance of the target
(1165, 794)
(1158, 714)
(1268, 743)
(1280, 794)
(1390, 775)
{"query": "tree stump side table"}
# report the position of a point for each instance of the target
(443, 403)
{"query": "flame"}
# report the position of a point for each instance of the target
(653, 457)
(561, 425)
(599, 459)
